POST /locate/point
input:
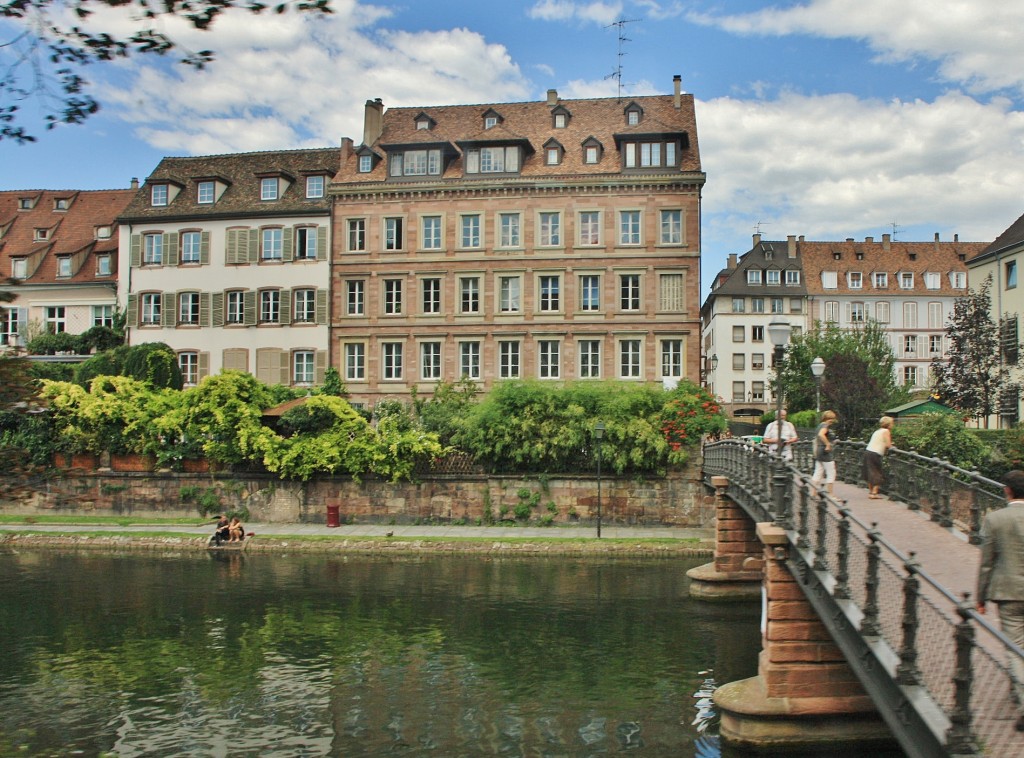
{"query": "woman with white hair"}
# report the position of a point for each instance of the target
(878, 446)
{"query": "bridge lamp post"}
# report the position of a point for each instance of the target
(598, 436)
(778, 332)
(818, 370)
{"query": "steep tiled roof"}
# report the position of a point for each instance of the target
(885, 256)
(241, 173)
(69, 231)
(602, 119)
(764, 255)
(1010, 238)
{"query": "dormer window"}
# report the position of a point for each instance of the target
(270, 188)
(41, 234)
(753, 276)
(553, 153)
(416, 163)
(560, 117)
(26, 203)
(61, 203)
(365, 164)
(19, 268)
(206, 192)
(592, 151)
(634, 114)
(492, 118)
(103, 265)
(653, 154)
(64, 266)
(492, 160)
(314, 187)
(104, 232)
(424, 122)
(158, 195)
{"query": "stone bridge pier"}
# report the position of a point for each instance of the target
(804, 694)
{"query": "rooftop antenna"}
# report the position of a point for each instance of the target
(617, 73)
(895, 230)
(758, 225)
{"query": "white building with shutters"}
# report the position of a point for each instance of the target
(225, 259)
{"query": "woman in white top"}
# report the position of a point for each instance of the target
(878, 446)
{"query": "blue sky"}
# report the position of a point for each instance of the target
(827, 118)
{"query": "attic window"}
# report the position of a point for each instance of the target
(41, 234)
(560, 120)
(158, 195)
(26, 203)
(423, 124)
(553, 153)
(365, 164)
(269, 188)
(61, 204)
(633, 114)
(837, 255)
(913, 256)
(19, 268)
(560, 117)
(103, 232)
(591, 151)
(64, 265)
(860, 256)
(490, 122)
(206, 191)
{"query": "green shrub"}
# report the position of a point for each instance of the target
(942, 435)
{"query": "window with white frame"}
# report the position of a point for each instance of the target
(881, 280)
(365, 163)
(314, 186)
(549, 359)
(792, 278)
(630, 359)
(629, 292)
(305, 243)
(757, 361)
(392, 297)
(205, 192)
(430, 289)
(509, 295)
(591, 154)
(430, 361)
(830, 280)
(492, 160)
(906, 280)
(553, 156)
(304, 306)
(270, 306)
(753, 276)
(776, 305)
(271, 249)
(508, 359)
(831, 311)
(739, 305)
(671, 228)
(234, 307)
(935, 344)
(469, 360)
(858, 313)
(649, 154)
(671, 295)
(882, 312)
(550, 229)
(549, 287)
(590, 359)
(191, 247)
(932, 280)
(394, 238)
(910, 345)
(469, 234)
(152, 249)
(935, 315)
(910, 315)
(469, 294)
(855, 280)
(103, 315)
(590, 292)
(150, 309)
(391, 360)
(958, 280)
(355, 361)
(508, 226)
(158, 195)
(772, 277)
(757, 333)
(303, 367)
(757, 305)
(64, 266)
(629, 227)
(188, 363)
(757, 392)
(356, 234)
(910, 376)
(590, 227)
(188, 308)
(269, 187)
(11, 321)
(355, 297)
(672, 358)
(431, 226)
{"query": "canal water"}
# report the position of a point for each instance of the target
(308, 655)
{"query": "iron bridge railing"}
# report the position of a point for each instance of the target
(937, 670)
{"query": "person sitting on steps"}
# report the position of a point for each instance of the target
(236, 530)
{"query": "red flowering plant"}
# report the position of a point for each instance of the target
(686, 419)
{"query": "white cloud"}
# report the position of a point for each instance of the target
(976, 43)
(568, 10)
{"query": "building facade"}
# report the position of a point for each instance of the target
(225, 259)
(555, 240)
(61, 249)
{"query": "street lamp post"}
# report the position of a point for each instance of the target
(598, 436)
(778, 332)
(818, 369)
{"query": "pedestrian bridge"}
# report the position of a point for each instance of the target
(867, 603)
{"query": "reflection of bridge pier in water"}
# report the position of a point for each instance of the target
(865, 604)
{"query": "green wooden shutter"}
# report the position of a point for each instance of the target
(286, 366)
(321, 306)
(135, 257)
(287, 243)
(320, 363)
(171, 249)
(131, 312)
(204, 248)
(249, 300)
(231, 246)
(217, 309)
(204, 366)
(168, 311)
(254, 246)
(321, 243)
(204, 308)
(286, 307)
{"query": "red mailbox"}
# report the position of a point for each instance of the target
(333, 517)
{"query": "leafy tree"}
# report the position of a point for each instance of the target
(152, 362)
(444, 413)
(869, 344)
(976, 373)
(46, 53)
(333, 384)
(16, 385)
(942, 435)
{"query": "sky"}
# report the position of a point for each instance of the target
(826, 118)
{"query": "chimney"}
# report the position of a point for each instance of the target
(346, 150)
(956, 237)
(732, 260)
(849, 239)
(373, 121)
(791, 246)
(552, 97)
(886, 238)
(677, 86)
(134, 183)
(757, 239)
(800, 238)
(869, 240)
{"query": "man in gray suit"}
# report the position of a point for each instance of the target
(1001, 575)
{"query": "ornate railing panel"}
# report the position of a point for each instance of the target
(935, 668)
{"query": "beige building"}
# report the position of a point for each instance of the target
(225, 259)
(555, 240)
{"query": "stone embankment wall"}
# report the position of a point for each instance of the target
(677, 499)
